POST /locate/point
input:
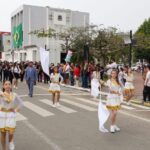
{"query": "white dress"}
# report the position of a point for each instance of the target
(7, 117)
(114, 100)
(54, 85)
(129, 82)
(95, 84)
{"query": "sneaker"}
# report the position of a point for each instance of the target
(14, 86)
(112, 129)
(53, 105)
(11, 146)
(57, 104)
(116, 128)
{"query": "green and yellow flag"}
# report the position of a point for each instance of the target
(17, 36)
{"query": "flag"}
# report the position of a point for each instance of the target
(69, 55)
(103, 114)
(17, 36)
(44, 57)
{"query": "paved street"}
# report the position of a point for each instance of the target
(74, 125)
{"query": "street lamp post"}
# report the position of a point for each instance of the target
(130, 50)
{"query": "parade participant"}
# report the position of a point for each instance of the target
(31, 77)
(54, 88)
(129, 87)
(114, 99)
(147, 82)
(121, 77)
(16, 72)
(95, 83)
(10, 104)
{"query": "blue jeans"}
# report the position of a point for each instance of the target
(30, 84)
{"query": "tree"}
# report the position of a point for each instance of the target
(142, 36)
(107, 45)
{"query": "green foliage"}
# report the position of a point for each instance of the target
(142, 36)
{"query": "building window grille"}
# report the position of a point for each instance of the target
(59, 18)
(67, 19)
(50, 17)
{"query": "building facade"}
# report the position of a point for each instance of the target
(5, 45)
(28, 18)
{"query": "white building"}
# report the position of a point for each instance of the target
(34, 18)
(5, 46)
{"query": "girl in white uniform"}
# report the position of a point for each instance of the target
(114, 99)
(95, 83)
(129, 87)
(10, 104)
(54, 88)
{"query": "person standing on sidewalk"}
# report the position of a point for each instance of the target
(30, 77)
(76, 75)
(147, 82)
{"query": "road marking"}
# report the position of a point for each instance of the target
(142, 110)
(63, 92)
(96, 104)
(62, 108)
(127, 107)
(47, 140)
(20, 117)
(87, 101)
(134, 116)
(140, 106)
(40, 111)
(79, 105)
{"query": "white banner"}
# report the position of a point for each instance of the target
(44, 57)
(103, 114)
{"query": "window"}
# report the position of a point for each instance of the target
(67, 19)
(59, 18)
(50, 17)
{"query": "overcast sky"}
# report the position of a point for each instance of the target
(123, 14)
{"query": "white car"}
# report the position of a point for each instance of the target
(135, 68)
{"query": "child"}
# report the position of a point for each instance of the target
(95, 83)
(55, 87)
(114, 99)
(129, 87)
(10, 104)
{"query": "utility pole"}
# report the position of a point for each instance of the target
(130, 50)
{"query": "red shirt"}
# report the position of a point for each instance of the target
(76, 71)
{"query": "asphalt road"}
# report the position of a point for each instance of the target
(74, 125)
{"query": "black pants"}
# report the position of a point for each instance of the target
(146, 93)
(21, 77)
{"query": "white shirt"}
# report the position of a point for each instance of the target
(147, 81)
